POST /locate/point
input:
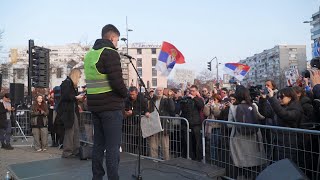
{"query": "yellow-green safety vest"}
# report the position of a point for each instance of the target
(97, 83)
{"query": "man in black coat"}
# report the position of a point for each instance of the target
(191, 111)
(5, 122)
(131, 126)
(106, 106)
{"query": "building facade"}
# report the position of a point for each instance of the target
(315, 23)
(273, 63)
(146, 56)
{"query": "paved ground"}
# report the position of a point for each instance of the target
(23, 152)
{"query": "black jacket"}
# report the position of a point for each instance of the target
(109, 63)
(191, 110)
(166, 107)
(68, 105)
(135, 105)
(307, 107)
(3, 116)
(287, 116)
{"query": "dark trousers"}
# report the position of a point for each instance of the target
(107, 136)
(195, 143)
(5, 133)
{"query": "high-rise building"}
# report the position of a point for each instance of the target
(272, 64)
(315, 23)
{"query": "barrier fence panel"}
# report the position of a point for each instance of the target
(245, 150)
(172, 142)
(86, 127)
(21, 128)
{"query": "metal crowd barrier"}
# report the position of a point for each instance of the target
(171, 143)
(21, 128)
(245, 150)
(86, 127)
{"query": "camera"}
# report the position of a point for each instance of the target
(255, 91)
(315, 62)
(185, 99)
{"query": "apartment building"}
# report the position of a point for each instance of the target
(272, 64)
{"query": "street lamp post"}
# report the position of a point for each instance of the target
(126, 41)
(217, 66)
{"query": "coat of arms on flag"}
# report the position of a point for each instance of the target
(237, 70)
(168, 57)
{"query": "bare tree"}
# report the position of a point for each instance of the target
(206, 75)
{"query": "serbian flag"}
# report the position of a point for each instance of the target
(168, 57)
(237, 70)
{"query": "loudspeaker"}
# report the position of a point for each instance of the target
(283, 169)
(16, 93)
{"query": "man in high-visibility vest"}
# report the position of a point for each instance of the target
(106, 92)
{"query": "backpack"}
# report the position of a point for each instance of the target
(246, 114)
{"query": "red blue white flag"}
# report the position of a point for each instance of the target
(237, 70)
(168, 57)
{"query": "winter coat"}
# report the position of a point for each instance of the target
(191, 110)
(287, 116)
(35, 114)
(307, 107)
(109, 63)
(3, 116)
(246, 150)
(212, 112)
(68, 105)
(166, 107)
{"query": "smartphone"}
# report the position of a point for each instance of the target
(265, 91)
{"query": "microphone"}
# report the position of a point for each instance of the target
(126, 55)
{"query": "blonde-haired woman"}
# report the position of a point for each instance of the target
(68, 113)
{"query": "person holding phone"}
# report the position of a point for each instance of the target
(39, 124)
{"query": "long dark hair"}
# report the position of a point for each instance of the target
(288, 92)
(42, 106)
(243, 94)
(299, 89)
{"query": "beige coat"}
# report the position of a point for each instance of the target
(246, 151)
(211, 111)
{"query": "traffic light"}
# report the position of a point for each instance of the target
(209, 66)
(39, 66)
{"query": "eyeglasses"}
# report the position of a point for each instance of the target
(281, 96)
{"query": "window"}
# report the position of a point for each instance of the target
(19, 73)
(139, 62)
(154, 82)
(154, 61)
(154, 72)
(139, 51)
(4, 72)
(59, 72)
(153, 51)
(139, 71)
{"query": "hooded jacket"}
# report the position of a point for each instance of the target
(109, 63)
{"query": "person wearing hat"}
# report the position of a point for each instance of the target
(5, 122)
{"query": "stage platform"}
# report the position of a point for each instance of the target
(66, 169)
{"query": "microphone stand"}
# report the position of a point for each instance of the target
(141, 84)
